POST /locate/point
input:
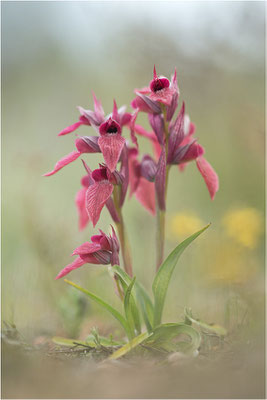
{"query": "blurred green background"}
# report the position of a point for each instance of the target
(53, 55)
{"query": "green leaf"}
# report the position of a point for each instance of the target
(105, 305)
(140, 295)
(162, 337)
(129, 346)
(131, 311)
(146, 306)
(126, 282)
(163, 276)
(219, 330)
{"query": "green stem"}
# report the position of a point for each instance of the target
(160, 236)
(125, 247)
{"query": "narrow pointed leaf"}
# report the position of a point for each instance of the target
(141, 296)
(131, 311)
(162, 279)
(129, 346)
(103, 304)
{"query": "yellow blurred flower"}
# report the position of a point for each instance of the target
(183, 224)
(228, 263)
(245, 226)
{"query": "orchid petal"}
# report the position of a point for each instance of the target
(86, 248)
(132, 128)
(157, 149)
(110, 127)
(176, 134)
(111, 147)
(183, 153)
(99, 112)
(194, 151)
(155, 72)
(172, 107)
(209, 175)
(90, 116)
(148, 168)
(70, 128)
(142, 132)
(70, 267)
(90, 179)
(92, 142)
(80, 204)
(134, 170)
(115, 113)
(64, 161)
(99, 257)
(159, 83)
(163, 96)
(148, 104)
(112, 210)
(86, 145)
(174, 81)
(145, 194)
(125, 118)
(157, 123)
(144, 90)
(100, 174)
(140, 104)
(96, 197)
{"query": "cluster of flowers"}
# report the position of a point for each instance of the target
(173, 144)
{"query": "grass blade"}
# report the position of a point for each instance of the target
(105, 305)
(163, 276)
(140, 295)
(128, 308)
(129, 346)
(131, 311)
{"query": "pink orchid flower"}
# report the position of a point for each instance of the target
(97, 117)
(102, 249)
(160, 91)
(100, 190)
(110, 142)
(80, 198)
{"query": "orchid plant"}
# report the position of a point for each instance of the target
(124, 169)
